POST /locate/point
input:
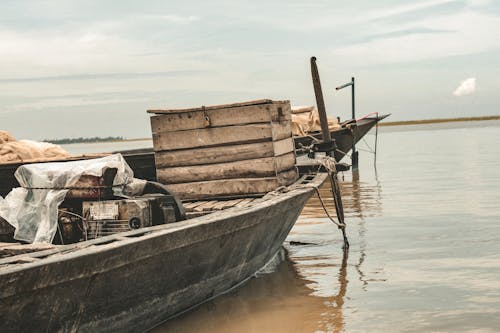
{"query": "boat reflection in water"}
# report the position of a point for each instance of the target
(306, 289)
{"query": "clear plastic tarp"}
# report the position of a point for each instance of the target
(33, 208)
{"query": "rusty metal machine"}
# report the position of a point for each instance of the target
(90, 210)
(113, 216)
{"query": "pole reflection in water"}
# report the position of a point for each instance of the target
(305, 292)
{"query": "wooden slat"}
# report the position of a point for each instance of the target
(255, 168)
(203, 156)
(244, 202)
(211, 107)
(201, 208)
(220, 117)
(189, 205)
(224, 204)
(288, 177)
(232, 203)
(222, 154)
(224, 187)
(281, 130)
(284, 146)
(209, 207)
(213, 136)
(227, 187)
(284, 162)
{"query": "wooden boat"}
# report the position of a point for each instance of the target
(134, 280)
(109, 277)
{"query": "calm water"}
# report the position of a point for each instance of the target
(425, 247)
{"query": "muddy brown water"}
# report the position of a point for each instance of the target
(424, 229)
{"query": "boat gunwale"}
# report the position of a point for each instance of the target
(14, 264)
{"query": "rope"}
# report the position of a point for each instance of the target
(75, 187)
(340, 225)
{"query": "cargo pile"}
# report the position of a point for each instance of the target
(305, 120)
(12, 150)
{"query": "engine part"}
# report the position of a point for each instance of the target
(109, 217)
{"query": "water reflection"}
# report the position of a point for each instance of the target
(361, 199)
(276, 302)
(306, 292)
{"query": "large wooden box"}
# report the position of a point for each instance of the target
(225, 150)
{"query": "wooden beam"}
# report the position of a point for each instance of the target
(222, 154)
(265, 113)
(281, 130)
(203, 156)
(211, 107)
(283, 146)
(228, 187)
(254, 168)
(208, 137)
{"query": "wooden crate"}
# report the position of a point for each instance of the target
(224, 150)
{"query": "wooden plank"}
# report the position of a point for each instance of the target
(201, 208)
(224, 204)
(220, 117)
(189, 205)
(224, 187)
(284, 146)
(288, 177)
(203, 156)
(209, 207)
(284, 162)
(255, 168)
(13, 249)
(211, 107)
(213, 136)
(227, 187)
(231, 203)
(245, 202)
(281, 130)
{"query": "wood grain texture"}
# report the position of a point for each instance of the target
(222, 154)
(229, 187)
(284, 146)
(216, 136)
(265, 113)
(254, 168)
(224, 187)
(211, 107)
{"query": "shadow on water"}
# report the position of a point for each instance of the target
(306, 291)
(274, 302)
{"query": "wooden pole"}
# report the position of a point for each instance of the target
(320, 103)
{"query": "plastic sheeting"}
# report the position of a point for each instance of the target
(33, 208)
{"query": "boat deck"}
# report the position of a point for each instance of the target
(198, 208)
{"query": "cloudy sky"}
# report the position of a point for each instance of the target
(85, 68)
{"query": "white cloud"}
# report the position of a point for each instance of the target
(466, 87)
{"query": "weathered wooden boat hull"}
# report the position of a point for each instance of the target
(133, 281)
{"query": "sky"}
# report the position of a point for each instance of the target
(93, 68)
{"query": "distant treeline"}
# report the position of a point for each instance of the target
(66, 141)
(437, 120)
